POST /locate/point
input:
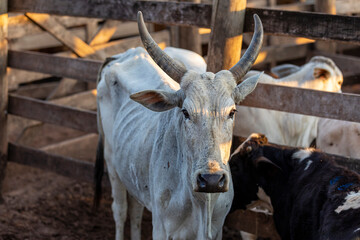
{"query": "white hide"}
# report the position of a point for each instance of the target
(142, 149)
(352, 201)
(285, 128)
(339, 137)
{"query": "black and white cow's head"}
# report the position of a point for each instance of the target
(252, 171)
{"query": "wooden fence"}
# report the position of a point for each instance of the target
(276, 22)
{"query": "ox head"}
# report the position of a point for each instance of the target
(205, 105)
(320, 73)
(251, 169)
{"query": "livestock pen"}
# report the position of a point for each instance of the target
(276, 22)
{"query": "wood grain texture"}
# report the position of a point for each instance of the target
(156, 12)
(189, 37)
(227, 25)
(303, 24)
(3, 92)
(64, 166)
(305, 101)
(329, 7)
(51, 113)
(78, 46)
(81, 69)
(278, 22)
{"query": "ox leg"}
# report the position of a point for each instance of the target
(135, 212)
(119, 205)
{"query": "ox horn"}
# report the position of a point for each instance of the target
(245, 63)
(164, 61)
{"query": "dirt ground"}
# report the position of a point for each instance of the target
(43, 205)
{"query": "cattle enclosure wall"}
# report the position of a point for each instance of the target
(275, 22)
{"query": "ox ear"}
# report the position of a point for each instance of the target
(266, 168)
(321, 73)
(284, 70)
(157, 100)
(245, 88)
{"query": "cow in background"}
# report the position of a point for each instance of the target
(168, 149)
(320, 73)
(313, 198)
(339, 137)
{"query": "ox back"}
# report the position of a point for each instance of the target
(312, 197)
(295, 130)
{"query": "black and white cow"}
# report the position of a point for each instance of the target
(312, 197)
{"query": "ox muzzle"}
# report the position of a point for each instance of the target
(212, 183)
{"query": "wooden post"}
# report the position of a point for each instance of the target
(189, 37)
(325, 6)
(3, 92)
(227, 25)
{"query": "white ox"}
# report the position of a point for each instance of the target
(339, 137)
(172, 156)
(296, 130)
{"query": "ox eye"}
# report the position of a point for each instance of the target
(232, 113)
(186, 114)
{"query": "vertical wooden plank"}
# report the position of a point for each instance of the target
(3, 92)
(325, 6)
(227, 25)
(189, 37)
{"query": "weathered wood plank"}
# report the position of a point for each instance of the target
(78, 46)
(162, 38)
(105, 33)
(64, 166)
(3, 92)
(66, 87)
(156, 12)
(226, 37)
(189, 37)
(42, 40)
(51, 113)
(85, 70)
(83, 100)
(82, 148)
(39, 91)
(305, 101)
(278, 22)
(282, 53)
(304, 24)
(20, 26)
(16, 77)
(325, 6)
(299, 6)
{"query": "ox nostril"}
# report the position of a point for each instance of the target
(211, 183)
(201, 181)
(222, 181)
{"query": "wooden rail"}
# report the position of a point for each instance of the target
(294, 100)
(51, 113)
(64, 166)
(277, 22)
(85, 70)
